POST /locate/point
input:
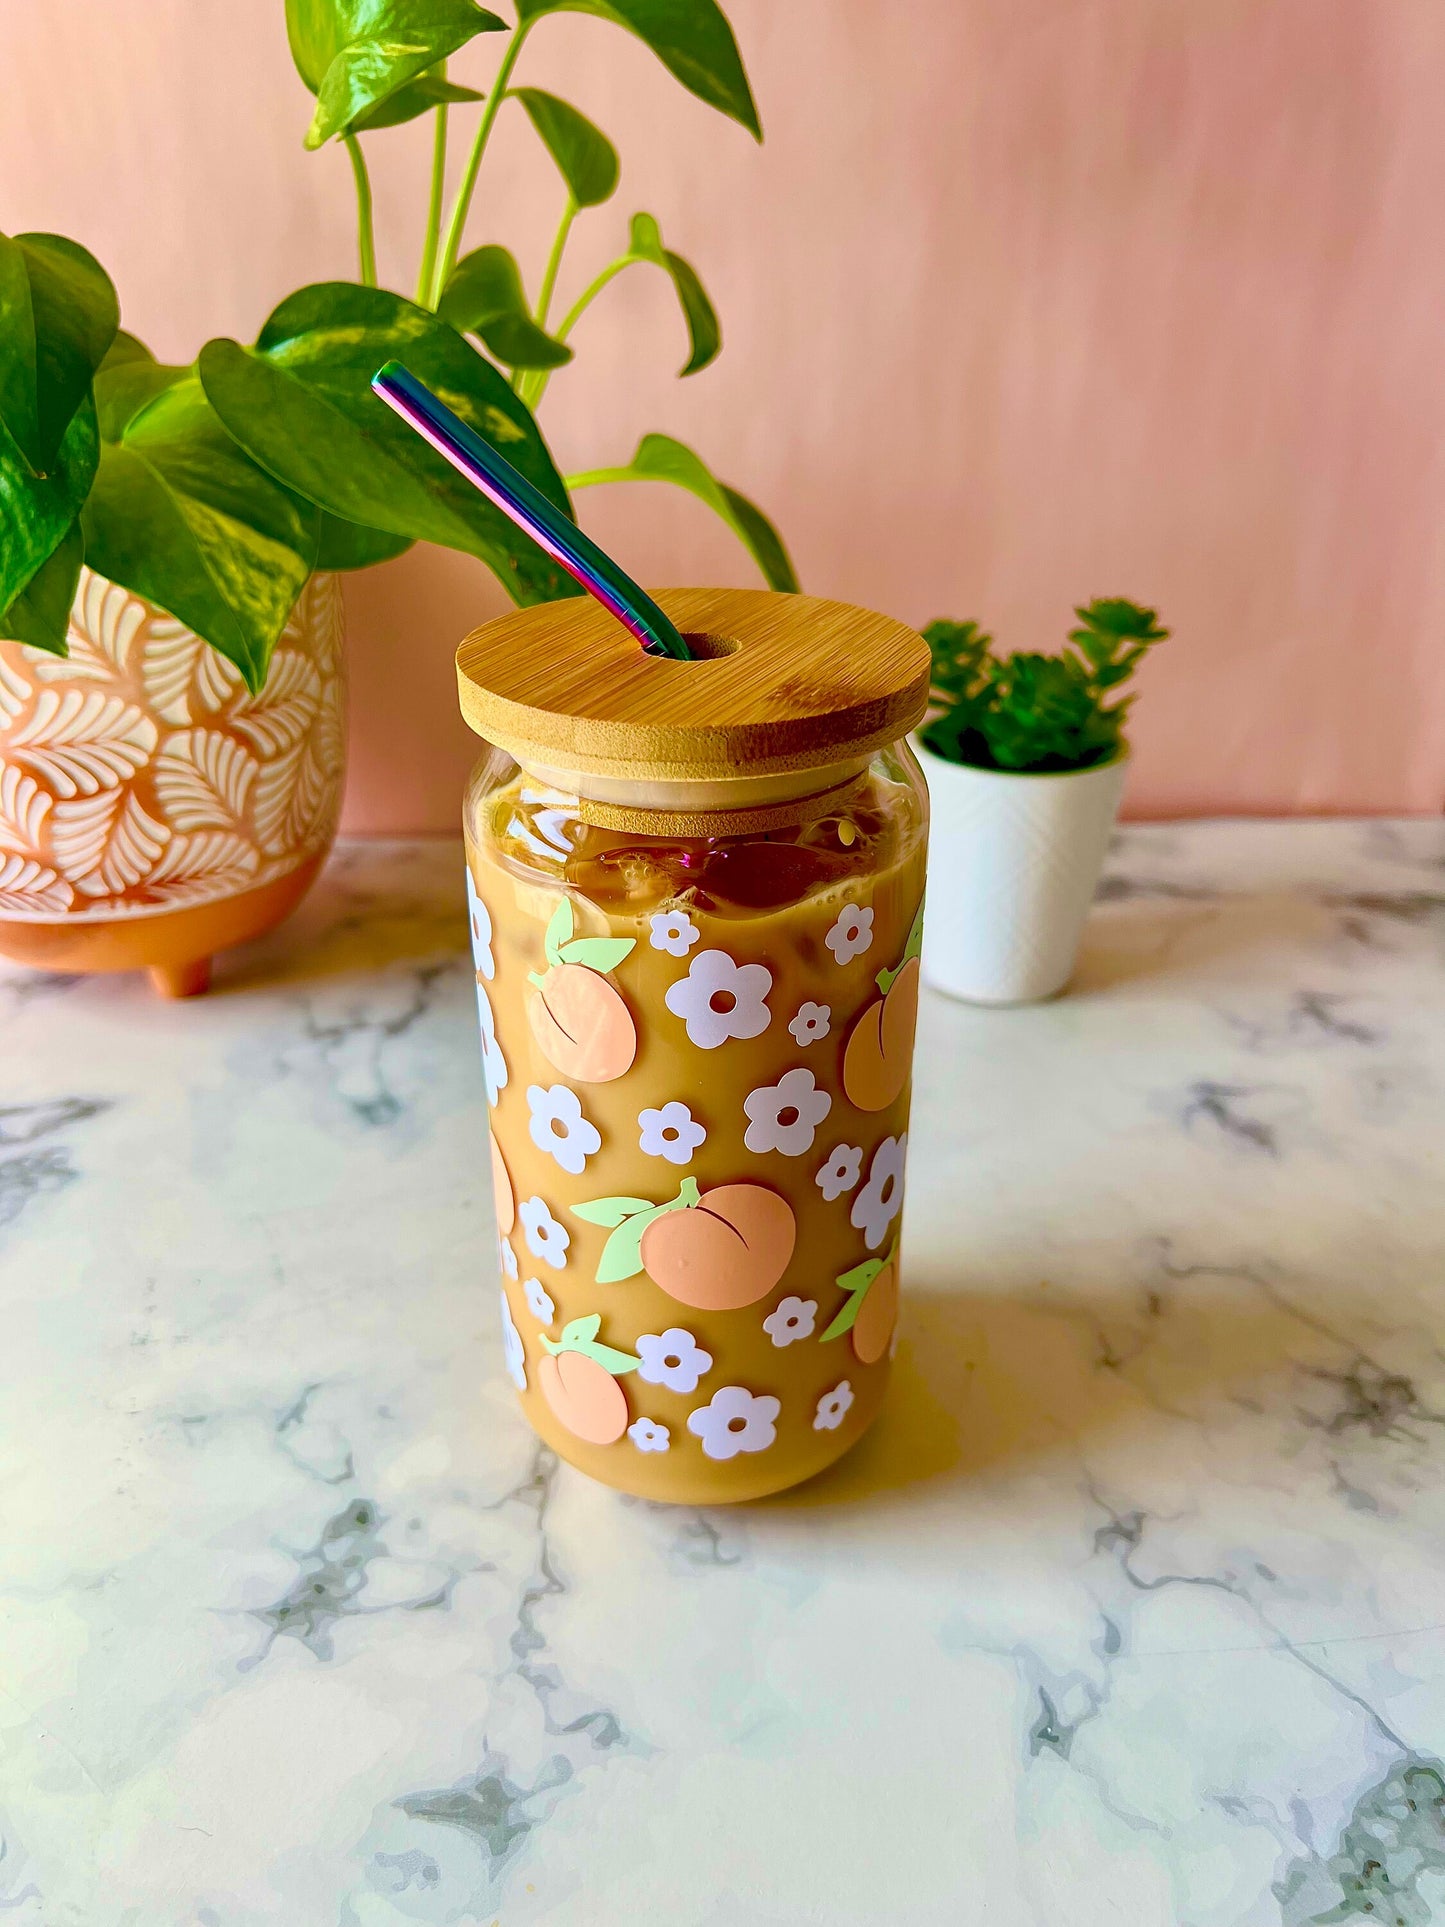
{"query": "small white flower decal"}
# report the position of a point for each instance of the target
(494, 1065)
(671, 1132)
(480, 920)
(793, 1319)
(673, 1358)
(719, 999)
(784, 1116)
(648, 1436)
(513, 1356)
(833, 1408)
(735, 1420)
(509, 1258)
(546, 1239)
(673, 931)
(841, 1172)
(559, 1128)
(852, 933)
(881, 1199)
(539, 1301)
(811, 1024)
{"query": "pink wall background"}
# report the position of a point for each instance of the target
(1024, 301)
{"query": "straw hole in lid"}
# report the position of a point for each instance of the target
(705, 648)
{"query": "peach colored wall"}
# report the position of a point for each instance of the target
(1025, 300)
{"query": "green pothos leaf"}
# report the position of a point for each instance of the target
(484, 297)
(355, 54)
(598, 953)
(691, 38)
(40, 614)
(704, 330)
(586, 159)
(856, 1283)
(560, 926)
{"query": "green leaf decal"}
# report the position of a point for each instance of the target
(598, 953)
(355, 54)
(581, 1336)
(586, 159)
(691, 38)
(856, 1283)
(181, 515)
(704, 331)
(611, 1211)
(300, 403)
(40, 614)
(622, 1254)
(484, 297)
(560, 926)
(913, 947)
(661, 459)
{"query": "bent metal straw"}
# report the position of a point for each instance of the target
(510, 491)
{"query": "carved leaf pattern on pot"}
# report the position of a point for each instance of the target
(203, 779)
(24, 807)
(186, 677)
(108, 843)
(100, 640)
(139, 773)
(26, 886)
(79, 741)
(15, 691)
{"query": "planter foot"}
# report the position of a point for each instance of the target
(181, 980)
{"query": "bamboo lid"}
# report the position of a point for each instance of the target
(784, 683)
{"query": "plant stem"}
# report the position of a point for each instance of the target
(590, 477)
(434, 208)
(590, 293)
(461, 207)
(554, 262)
(365, 234)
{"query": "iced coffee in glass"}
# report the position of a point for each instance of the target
(696, 904)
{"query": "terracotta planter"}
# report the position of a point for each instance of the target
(152, 811)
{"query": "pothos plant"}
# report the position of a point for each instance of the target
(215, 489)
(1035, 713)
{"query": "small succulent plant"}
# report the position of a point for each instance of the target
(1034, 713)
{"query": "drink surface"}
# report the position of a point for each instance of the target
(698, 1054)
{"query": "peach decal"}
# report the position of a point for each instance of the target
(880, 1047)
(714, 1250)
(871, 1310)
(578, 1378)
(580, 1021)
(502, 1186)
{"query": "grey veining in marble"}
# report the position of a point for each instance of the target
(1131, 1609)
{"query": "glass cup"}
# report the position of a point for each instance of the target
(698, 987)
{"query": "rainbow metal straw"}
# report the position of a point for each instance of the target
(514, 495)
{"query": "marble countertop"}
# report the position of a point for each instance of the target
(1130, 1610)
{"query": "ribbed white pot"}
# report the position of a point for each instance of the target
(1013, 862)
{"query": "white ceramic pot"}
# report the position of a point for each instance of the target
(152, 810)
(1013, 861)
